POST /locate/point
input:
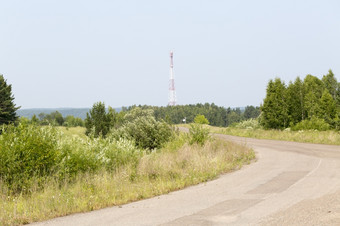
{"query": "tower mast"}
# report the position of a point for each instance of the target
(172, 91)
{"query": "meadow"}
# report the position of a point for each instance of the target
(80, 173)
(331, 137)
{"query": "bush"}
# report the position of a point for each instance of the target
(248, 124)
(90, 155)
(201, 119)
(198, 134)
(312, 124)
(31, 154)
(141, 127)
(27, 151)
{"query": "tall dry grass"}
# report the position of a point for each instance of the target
(331, 137)
(174, 167)
(317, 137)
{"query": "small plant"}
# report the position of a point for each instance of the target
(198, 134)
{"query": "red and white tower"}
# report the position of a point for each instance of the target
(172, 91)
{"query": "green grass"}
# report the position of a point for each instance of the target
(173, 167)
(317, 137)
(73, 131)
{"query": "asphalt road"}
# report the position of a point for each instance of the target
(290, 184)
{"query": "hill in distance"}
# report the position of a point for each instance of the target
(76, 112)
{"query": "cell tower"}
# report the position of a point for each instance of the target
(172, 91)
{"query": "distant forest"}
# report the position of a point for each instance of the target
(217, 116)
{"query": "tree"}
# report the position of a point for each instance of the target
(7, 106)
(72, 121)
(274, 109)
(34, 119)
(98, 121)
(251, 112)
(330, 83)
(57, 118)
(233, 117)
(313, 89)
(327, 107)
(295, 101)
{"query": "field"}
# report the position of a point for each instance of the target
(175, 166)
(317, 137)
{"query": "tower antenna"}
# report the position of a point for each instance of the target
(172, 91)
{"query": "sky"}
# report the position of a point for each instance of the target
(62, 53)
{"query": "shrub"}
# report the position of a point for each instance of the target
(248, 124)
(31, 154)
(198, 134)
(145, 131)
(312, 124)
(201, 119)
(90, 155)
(27, 151)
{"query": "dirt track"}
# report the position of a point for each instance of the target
(290, 184)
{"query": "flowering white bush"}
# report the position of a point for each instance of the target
(249, 124)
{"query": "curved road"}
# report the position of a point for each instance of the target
(290, 184)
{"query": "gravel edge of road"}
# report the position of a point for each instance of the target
(321, 211)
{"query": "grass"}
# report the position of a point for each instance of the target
(173, 167)
(317, 137)
(73, 131)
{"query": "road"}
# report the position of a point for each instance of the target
(289, 184)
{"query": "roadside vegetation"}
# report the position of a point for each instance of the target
(48, 171)
(305, 136)
(252, 129)
(52, 174)
(52, 165)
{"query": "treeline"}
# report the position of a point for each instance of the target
(57, 119)
(216, 115)
(311, 103)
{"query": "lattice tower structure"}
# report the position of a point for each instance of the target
(172, 91)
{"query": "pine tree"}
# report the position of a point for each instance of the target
(7, 106)
(99, 121)
(274, 109)
(295, 101)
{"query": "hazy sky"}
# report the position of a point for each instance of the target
(59, 53)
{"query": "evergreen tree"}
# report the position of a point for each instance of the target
(7, 106)
(97, 121)
(274, 109)
(327, 107)
(295, 101)
(313, 89)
